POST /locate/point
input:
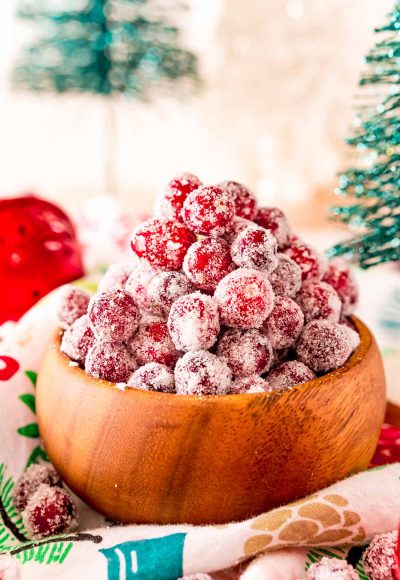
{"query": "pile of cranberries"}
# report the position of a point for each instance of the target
(221, 297)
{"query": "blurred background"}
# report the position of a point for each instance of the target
(272, 108)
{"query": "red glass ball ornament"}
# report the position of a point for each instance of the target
(39, 251)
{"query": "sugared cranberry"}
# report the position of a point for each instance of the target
(285, 323)
(289, 374)
(379, 559)
(153, 377)
(286, 278)
(311, 262)
(162, 242)
(246, 352)
(138, 284)
(237, 226)
(245, 298)
(170, 202)
(49, 511)
(273, 219)
(111, 362)
(202, 373)
(324, 345)
(193, 322)
(207, 262)
(72, 304)
(256, 248)
(77, 340)
(343, 280)
(164, 289)
(331, 569)
(209, 210)
(31, 480)
(152, 343)
(245, 202)
(117, 275)
(113, 315)
(249, 385)
(318, 300)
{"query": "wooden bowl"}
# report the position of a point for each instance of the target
(147, 457)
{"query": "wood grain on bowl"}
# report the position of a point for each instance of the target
(140, 456)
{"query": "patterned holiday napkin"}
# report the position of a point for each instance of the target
(328, 522)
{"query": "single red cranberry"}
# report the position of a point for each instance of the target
(255, 248)
(207, 262)
(285, 323)
(246, 352)
(209, 210)
(171, 200)
(162, 242)
(273, 219)
(245, 202)
(202, 373)
(193, 322)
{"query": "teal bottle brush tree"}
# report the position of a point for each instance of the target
(373, 183)
(103, 47)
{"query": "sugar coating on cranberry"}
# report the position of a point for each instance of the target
(318, 300)
(245, 202)
(170, 202)
(162, 242)
(286, 278)
(256, 248)
(49, 511)
(193, 322)
(379, 559)
(311, 262)
(207, 262)
(153, 377)
(353, 336)
(285, 323)
(331, 569)
(273, 219)
(77, 340)
(289, 374)
(113, 315)
(343, 280)
(72, 304)
(164, 289)
(237, 226)
(139, 282)
(324, 345)
(209, 210)
(246, 352)
(30, 480)
(249, 385)
(202, 373)
(245, 298)
(110, 361)
(153, 343)
(117, 275)
(10, 568)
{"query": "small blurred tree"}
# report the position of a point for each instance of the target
(104, 47)
(374, 182)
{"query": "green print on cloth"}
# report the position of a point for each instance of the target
(155, 559)
(31, 430)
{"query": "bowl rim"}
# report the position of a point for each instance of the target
(366, 339)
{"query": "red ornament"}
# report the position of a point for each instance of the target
(38, 252)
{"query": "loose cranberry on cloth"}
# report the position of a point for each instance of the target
(39, 251)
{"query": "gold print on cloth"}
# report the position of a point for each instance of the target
(317, 520)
